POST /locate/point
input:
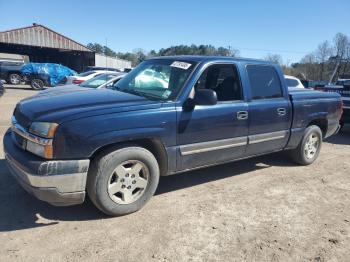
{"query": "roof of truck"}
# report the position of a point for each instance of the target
(199, 58)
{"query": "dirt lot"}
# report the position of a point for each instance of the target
(263, 209)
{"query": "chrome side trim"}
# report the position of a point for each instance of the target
(253, 139)
(18, 129)
(213, 145)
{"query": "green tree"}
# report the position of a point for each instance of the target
(95, 47)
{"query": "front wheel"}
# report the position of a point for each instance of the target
(309, 147)
(15, 79)
(123, 180)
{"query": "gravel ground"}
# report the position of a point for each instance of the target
(261, 209)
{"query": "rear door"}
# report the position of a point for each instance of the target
(215, 133)
(270, 112)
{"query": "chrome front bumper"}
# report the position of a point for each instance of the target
(56, 182)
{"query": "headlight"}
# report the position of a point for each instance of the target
(45, 151)
(42, 144)
(43, 129)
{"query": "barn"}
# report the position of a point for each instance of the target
(43, 45)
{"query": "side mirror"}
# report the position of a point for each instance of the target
(205, 97)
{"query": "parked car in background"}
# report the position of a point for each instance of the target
(82, 77)
(40, 75)
(103, 81)
(343, 82)
(293, 82)
(313, 83)
(115, 143)
(10, 71)
(100, 81)
(99, 68)
(2, 88)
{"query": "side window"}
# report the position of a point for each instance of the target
(264, 82)
(224, 80)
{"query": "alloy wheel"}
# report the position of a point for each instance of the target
(128, 182)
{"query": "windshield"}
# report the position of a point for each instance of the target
(158, 79)
(97, 81)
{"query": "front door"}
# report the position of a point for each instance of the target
(217, 133)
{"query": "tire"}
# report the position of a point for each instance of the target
(302, 154)
(114, 174)
(37, 84)
(14, 79)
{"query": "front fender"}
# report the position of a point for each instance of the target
(80, 138)
(112, 137)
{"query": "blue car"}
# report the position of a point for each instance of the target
(39, 75)
(168, 115)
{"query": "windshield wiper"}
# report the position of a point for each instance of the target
(138, 93)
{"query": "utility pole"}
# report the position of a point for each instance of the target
(106, 52)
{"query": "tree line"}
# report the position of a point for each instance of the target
(317, 65)
(139, 55)
(330, 61)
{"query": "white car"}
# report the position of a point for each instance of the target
(103, 81)
(151, 78)
(82, 77)
(293, 82)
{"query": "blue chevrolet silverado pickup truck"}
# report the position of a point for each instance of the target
(168, 115)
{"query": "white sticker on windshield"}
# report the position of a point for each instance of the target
(182, 65)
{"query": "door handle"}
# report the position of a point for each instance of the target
(281, 111)
(242, 115)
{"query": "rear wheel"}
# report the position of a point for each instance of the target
(123, 180)
(309, 147)
(37, 84)
(14, 79)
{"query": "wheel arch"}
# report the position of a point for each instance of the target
(154, 145)
(322, 123)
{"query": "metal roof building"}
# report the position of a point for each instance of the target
(42, 44)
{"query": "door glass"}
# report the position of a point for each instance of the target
(264, 82)
(224, 80)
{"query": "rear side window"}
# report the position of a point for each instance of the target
(264, 82)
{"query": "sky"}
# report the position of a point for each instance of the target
(257, 28)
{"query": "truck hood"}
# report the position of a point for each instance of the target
(60, 104)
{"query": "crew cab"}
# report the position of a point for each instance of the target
(192, 112)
